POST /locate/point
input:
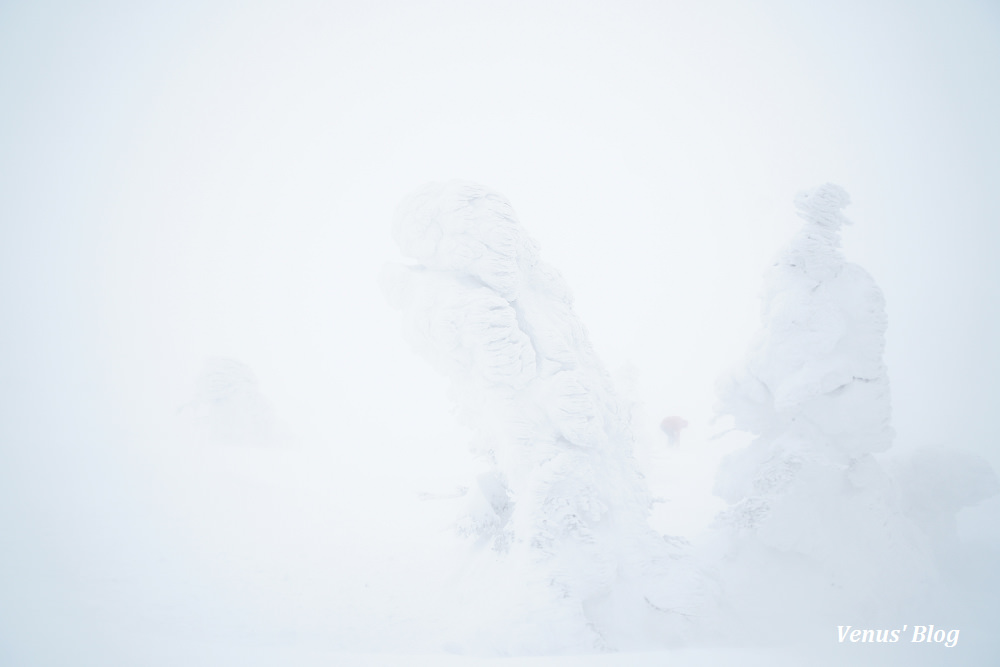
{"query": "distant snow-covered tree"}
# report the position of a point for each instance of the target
(228, 407)
(812, 511)
(935, 484)
(561, 493)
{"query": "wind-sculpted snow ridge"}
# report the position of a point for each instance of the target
(560, 501)
(813, 515)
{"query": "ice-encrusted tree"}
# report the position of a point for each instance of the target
(812, 512)
(561, 496)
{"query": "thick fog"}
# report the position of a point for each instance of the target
(218, 441)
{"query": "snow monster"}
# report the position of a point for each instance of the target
(560, 502)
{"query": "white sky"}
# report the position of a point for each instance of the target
(219, 178)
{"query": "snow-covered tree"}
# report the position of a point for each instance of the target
(560, 495)
(935, 484)
(228, 407)
(813, 515)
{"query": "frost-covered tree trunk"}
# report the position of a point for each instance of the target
(561, 496)
(813, 516)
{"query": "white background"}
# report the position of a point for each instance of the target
(185, 180)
